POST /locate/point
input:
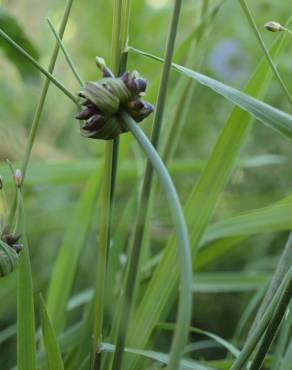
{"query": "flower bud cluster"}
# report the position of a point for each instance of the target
(104, 99)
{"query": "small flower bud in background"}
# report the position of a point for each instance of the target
(18, 178)
(274, 27)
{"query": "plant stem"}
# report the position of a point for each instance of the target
(282, 267)
(107, 196)
(41, 103)
(281, 296)
(272, 329)
(127, 300)
(184, 254)
(253, 25)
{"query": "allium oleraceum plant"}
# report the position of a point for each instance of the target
(112, 106)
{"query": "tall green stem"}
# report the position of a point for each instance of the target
(184, 254)
(128, 294)
(40, 106)
(107, 195)
(282, 267)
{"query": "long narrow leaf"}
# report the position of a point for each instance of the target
(200, 206)
(265, 113)
(67, 261)
(54, 356)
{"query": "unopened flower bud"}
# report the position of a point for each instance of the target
(273, 26)
(103, 101)
(18, 178)
(100, 62)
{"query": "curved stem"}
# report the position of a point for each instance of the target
(127, 300)
(185, 261)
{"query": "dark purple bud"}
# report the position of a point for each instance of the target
(94, 123)
(141, 84)
(142, 113)
(11, 239)
(136, 104)
(86, 113)
(17, 247)
(125, 77)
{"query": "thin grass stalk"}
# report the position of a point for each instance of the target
(43, 96)
(36, 64)
(128, 294)
(66, 54)
(184, 254)
(284, 263)
(173, 130)
(283, 340)
(107, 196)
(254, 27)
(26, 345)
(281, 297)
(272, 330)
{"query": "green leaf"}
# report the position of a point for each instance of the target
(161, 290)
(226, 282)
(160, 357)
(265, 113)
(10, 25)
(65, 267)
(275, 217)
(224, 343)
(54, 356)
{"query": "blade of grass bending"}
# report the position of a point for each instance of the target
(66, 54)
(160, 292)
(54, 356)
(160, 357)
(270, 116)
(26, 344)
(224, 343)
(65, 267)
(129, 291)
(39, 67)
(277, 305)
(255, 29)
(185, 301)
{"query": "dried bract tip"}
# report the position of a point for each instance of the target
(273, 26)
(18, 178)
(100, 62)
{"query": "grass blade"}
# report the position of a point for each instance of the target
(185, 301)
(54, 356)
(26, 345)
(160, 291)
(67, 261)
(265, 113)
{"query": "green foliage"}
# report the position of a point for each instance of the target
(106, 301)
(11, 26)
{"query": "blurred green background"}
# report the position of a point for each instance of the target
(228, 53)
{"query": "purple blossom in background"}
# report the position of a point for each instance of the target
(229, 61)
